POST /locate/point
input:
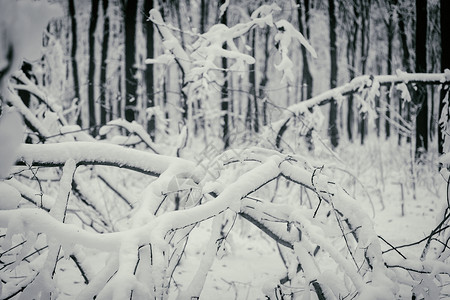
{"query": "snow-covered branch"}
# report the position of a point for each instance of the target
(357, 84)
(95, 153)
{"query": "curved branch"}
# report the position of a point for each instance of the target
(92, 153)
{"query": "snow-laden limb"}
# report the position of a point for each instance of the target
(170, 42)
(134, 128)
(43, 285)
(366, 81)
(229, 198)
(59, 209)
(34, 124)
(426, 275)
(11, 134)
(195, 287)
(99, 281)
(359, 83)
(9, 196)
(287, 32)
(428, 266)
(38, 221)
(91, 153)
(30, 86)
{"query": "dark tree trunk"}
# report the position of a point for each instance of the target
(224, 92)
(445, 64)
(91, 71)
(130, 60)
(149, 84)
(73, 54)
(307, 79)
(351, 61)
(421, 99)
(405, 60)
(264, 79)
(104, 103)
(307, 18)
(365, 35)
(253, 84)
(252, 116)
(390, 37)
(204, 15)
(332, 127)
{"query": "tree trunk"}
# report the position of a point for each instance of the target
(332, 127)
(149, 84)
(421, 99)
(352, 39)
(365, 35)
(405, 59)
(130, 60)
(91, 71)
(104, 103)
(445, 64)
(390, 37)
(252, 116)
(253, 84)
(264, 79)
(307, 79)
(204, 15)
(224, 91)
(73, 54)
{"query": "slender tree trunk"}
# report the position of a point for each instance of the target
(224, 92)
(252, 116)
(200, 122)
(377, 98)
(332, 127)
(352, 40)
(149, 84)
(91, 71)
(104, 103)
(445, 64)
(73, 56)
(421, 99)
(365, 35)
(390, 37)
(130, 60)
(307, 18)
(405, 59)
(307, 79)
(264, 79)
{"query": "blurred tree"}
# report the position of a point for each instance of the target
(420, 94)
(130, 60)
(365, 42)
(224, 91)
(303, 27)
(351, 25)
(390, 26)
(91, 71)
(332, 126)
(445, 64)
(264, 76)
(149, 100)
(73, 55)
(104, 102)
(406, 65)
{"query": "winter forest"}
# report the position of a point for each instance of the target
(230, 149)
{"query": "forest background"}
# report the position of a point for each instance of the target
(300, 117)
